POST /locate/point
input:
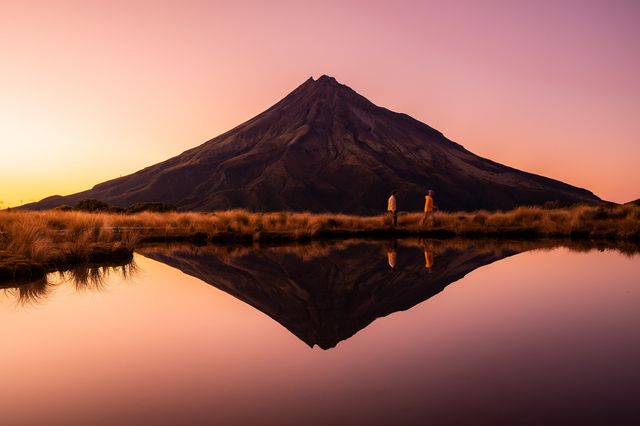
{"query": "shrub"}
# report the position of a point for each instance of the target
(92, 205)
(480, 218)
(150, 207)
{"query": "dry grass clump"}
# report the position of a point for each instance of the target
(610, 222)
(241, 222)
(54, 236)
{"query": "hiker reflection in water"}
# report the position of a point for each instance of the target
(428, 257)
(392, 255)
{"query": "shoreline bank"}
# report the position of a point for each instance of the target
(34, 243)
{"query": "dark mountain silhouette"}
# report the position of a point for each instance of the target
(324, 147)
(324, 298)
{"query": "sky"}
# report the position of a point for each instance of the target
(90, 91)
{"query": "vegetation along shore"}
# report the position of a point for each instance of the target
(33, 243)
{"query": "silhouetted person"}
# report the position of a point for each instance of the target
(392, 208)
(392, 255)
(429, 206)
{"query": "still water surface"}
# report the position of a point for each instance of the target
(356, 332)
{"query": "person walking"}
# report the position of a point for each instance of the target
(429, 206)
(392, 207)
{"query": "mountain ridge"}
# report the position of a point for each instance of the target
(326, 148)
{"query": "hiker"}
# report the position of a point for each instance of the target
(429, 206)
(391, 207)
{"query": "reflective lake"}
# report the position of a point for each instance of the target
(353, 332)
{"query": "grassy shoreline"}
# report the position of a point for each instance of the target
(34, 243)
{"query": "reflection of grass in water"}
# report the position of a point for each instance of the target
(91, 278)
(31, 294)
(94, 278)
(314, 249)
(306, 251)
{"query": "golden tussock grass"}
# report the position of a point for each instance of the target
(52, 236)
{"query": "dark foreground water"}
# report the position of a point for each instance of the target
(410, 332)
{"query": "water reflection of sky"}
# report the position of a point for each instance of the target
(540, 337)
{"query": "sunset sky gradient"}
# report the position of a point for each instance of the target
(90, 91)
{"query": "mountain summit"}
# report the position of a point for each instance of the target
(323, 148)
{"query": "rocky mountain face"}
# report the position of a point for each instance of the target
(325, 148)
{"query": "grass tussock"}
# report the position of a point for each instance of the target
(50, 237)
(58, 237)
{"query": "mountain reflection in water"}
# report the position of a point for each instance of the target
(326, 293)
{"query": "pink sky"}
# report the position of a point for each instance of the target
(95, 90)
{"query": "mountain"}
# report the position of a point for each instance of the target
(327, 297)
(322, 148)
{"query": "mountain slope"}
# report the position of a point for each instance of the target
(326, 148)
